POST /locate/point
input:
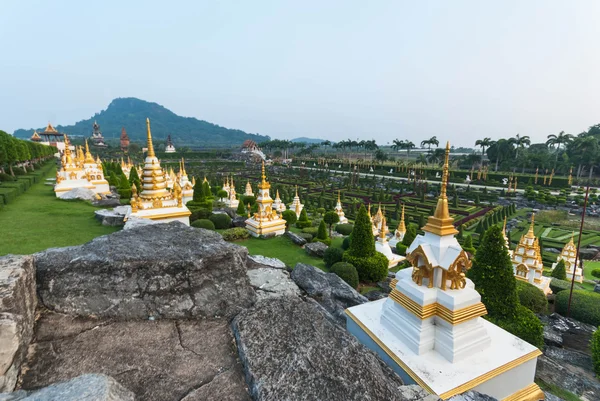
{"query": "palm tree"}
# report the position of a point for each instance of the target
(520, 142)
(398, 144)
(431, 141)
(560, 139)
(484, 143)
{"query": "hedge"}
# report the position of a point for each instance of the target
(7, 195)
(532, 297)
(346, 272)
(203, 223)
(221, 220)
(373, 268)
(311, 230)
(585, 306)
(332, 256)
(235, 234)
(524, 325)
(557, 285)
(595, 347)
(344, 229)
(401, 248)
(308, 237)
(346, 243)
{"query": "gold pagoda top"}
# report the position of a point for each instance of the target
(88, 155)
(264, 184)
(68, 157)
(401, 225)
(150, 146)
(441, 223)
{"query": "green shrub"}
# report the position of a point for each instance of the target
(200, 214)
(235, 234)
(7, 177)
(524, 325)
(346, 272)
(332, 255)
(401, 248)
(532, 297)
(346, 243)
(373, 268)
(290, 218)
(322, 232)
(203, 223)
(303, 220)
(311, 230)
(596, 273)
(559, 271)
(410, 235)
(221, 220)
(595, 347)
(308, 237)
(557, 285)
(344, 229)
(585, 306)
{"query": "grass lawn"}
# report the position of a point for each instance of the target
(37, 220)
(588, 266)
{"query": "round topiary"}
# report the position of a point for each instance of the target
(203, 223)
(344, 229)
(371, 269)
(311, 230)
(559, 271)
(524, 325)
(596, 273)
(332, 255)
(221, 220)
(308, 237)
(532, 297)
(585, 306)
(346, 243)
(346, 272)
(401, 248)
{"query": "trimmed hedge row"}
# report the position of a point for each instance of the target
(532, 297)
(585, 306)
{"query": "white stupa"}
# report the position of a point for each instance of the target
(430, 331)
(232, 201)
(569, 255)
(340, 211)
(278, 205)
(266, 222)
(400, 231)
(248, 191)
(169, 148)
(226, 188)
(382, 246)
(296, 206)
(187, 186)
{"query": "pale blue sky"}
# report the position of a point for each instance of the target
(460, 70)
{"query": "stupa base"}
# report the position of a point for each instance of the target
(101, 188)
(165, 214)
(266, 228)
(505, 370)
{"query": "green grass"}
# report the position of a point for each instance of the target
(588, 266)
(37, 220)
(558, 391)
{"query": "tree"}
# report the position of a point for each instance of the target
(331, 218)
(559, 271)
(290, 218)
(484, 143)
(134, 179)
(410, 235)
(9, 153)
(560, 139)
(429, 142)
(520, 142)
(322, 231)
(468, 245)
(222, 194)
(492, 273)
(362, 244)
(241, 209)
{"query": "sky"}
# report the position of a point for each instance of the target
(383, 70)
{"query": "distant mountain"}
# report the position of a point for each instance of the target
(308, 140)
(131, 113)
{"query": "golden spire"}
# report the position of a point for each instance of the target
(263, 184)
(150, 146)
(205, 180)
(296, 191)
(369, 210)
(504, 227)
(68, 157)
(88, 156)
(383, 229)
(183, 166)
(402, 225)
(193, 180)
(530, 233)
(277, 195)
(441, 222)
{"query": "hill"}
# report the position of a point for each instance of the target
(131, 113)
(308, 140)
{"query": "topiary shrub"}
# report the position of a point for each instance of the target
(221, 220)
(235, 234)
(346, 229)
(557, 285)
(559, 271)
(585, 306)
(200, 214)
(596, 273)
(332, 256)
(303, 220)
(290, 218)
(524, 325)
(346, 272)
(308, 237)
(401, 248)
(532, 297)
(346, 243)
(203, 223)
(311, 230)
(373, 268)
(595, 347)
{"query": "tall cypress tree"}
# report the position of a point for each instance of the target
(134, 179)
(362, 244)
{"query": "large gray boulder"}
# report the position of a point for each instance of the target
(111, 217)
(296, 239)
(163, 270)
(90, 387)
(257, 261)
(80, 193)
(269, 282)
(333, 293)
(316, 249)
(292, 350)
(239, 221)
(564, 376)
(17, 315)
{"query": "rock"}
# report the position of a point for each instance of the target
(90, 387)
(108, 202)
(79, 193)
(374, 295)
(413, 392)
(384, 286)
(567, 356)
(575, 335)
(551, 250)
(333, 293)
(573, 380)
(552, 337)
(160, 360)
(292, 350)
(296, 239)
(109, 217)
(256, 261)
(131, 275)
(18, 302)
(597, 288)
(270, 282)
(239, 221)
(588, 253)
(316, 249)
(472, 396)
(552, 397)
(135, 222)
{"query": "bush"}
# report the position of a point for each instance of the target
(373, 268)
(303, 220)
(203, 223)
(524, 325)
(596, 273)
(401, 248)
(585, 306)
(290, 218)
(557, 285)
(346, 229)
(346, 272)
(235, 234)
(595, 347)
(532, 297)
(322, 232)
(332, 256)
(221, 220)
(7, 177)
(200, 214)
(346, 243)
(311, 230)
(308, 237)
(559, 271)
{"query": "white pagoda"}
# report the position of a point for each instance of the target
(430, 331)
(155, 201)
(226, 188)
(278, 205)
(527, 261)
(169, 148)
(382, 246)
(232, 200)
(339, 211)
(569, 255)
(187, 186)
(400, 231)
(506, 239)
(296, 206)
(248, 191)
(265, 222)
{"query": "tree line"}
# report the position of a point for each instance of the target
(16, 152)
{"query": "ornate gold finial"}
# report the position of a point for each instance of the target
(441, 222)
(88, 155)
(68, 157)
(150, 146)
(383, 228)
(263, 184)
(205, 180)
(296, 191)
(183, 166)
(277, 194)
(530, 233)
(402, 225)
(248, 208)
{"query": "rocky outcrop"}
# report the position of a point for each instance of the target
(239, 221)
(333, 293)
(80, 193)
(296, 239)
(572, 379)
(161, 360)
(570, 333)
(91, 387)
(257, 261)
(472, 396)
(292, 350)
(130, 274)
(135, 222)
(112, 217)
(270, 282)
(588, 253)
(316, 249)
(17, 315)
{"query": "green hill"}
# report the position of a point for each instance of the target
(131, 113)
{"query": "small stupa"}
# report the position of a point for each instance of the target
(339, 211)
(169, 148)
(527, 261)
(248, 191)
(187, 187)
(265, 222)
(97, 138)
(232, 201)
(296, 206)
(382, 246)
(430, 331)
(400, 231)
(155, 201)
(278, 205)
(226, 189)
(569, 255)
